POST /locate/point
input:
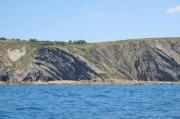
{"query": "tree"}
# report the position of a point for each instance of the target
(33, 40)
(70, 42)
(18, 39)
(48, 43)
(60, 43)
(2, 38)
(80, 42)
(15, 39)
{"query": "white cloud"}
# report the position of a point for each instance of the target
(173, 10)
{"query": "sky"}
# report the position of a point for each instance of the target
(90, 20)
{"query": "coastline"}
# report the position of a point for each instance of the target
(109, 82)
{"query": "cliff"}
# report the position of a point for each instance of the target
(144, 60)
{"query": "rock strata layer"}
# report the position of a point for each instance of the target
(156, 60)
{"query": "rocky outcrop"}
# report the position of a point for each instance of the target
(51, 64)
(4, 75)
(1, 68)
(1, 65)
(151, 60)
(142, 61)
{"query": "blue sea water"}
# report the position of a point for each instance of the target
(90, 102)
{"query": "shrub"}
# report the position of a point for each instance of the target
(80, 42)
(48, 43)
(70, 42)
(15, 39)
(60, 43)
(2, 38)
(33, 40)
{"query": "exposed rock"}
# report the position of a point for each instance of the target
(147, 62)
(1, 65)
(133, 60)
(15, 54)
(5, 77)
(50, 64)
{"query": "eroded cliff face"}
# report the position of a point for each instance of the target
(1, 65)
(132, 60)
(4, 73)
(51, 64)
(157, 61)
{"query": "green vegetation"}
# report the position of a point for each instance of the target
(23, 61)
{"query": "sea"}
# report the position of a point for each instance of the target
(90, 102)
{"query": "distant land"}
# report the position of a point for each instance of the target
(33, 61)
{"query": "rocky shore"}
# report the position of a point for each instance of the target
(113, 82)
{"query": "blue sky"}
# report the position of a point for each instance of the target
(91, 20)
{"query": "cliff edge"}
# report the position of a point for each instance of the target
(142, 60)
